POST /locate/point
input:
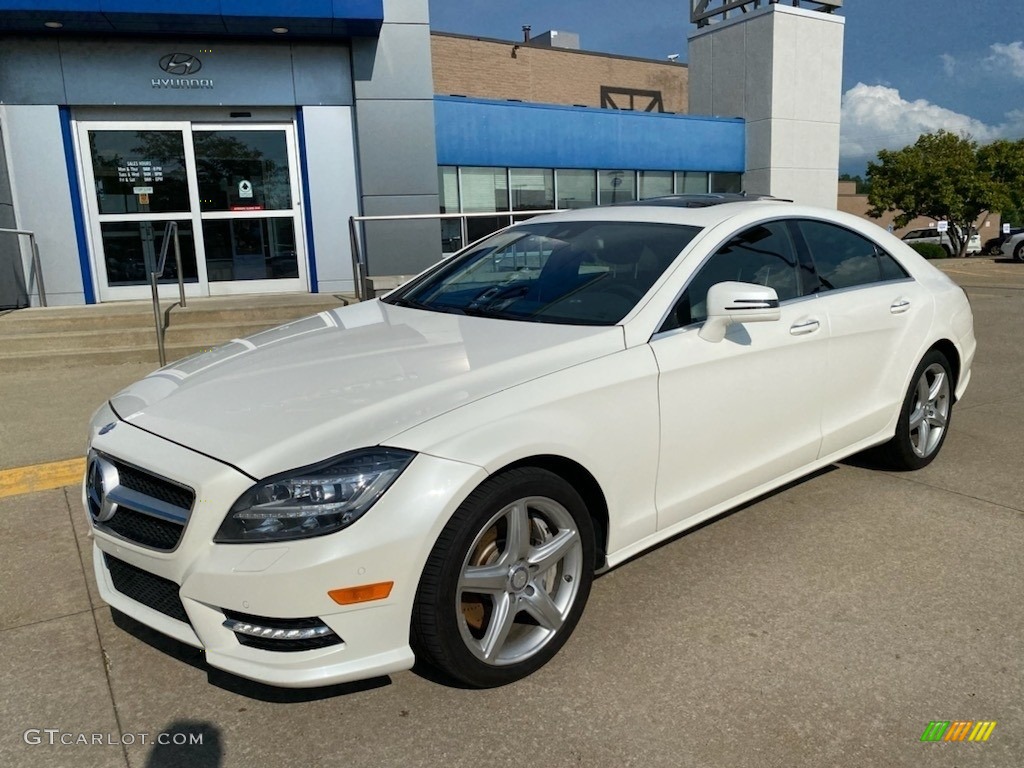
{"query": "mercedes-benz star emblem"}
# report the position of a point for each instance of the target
(180, 64)
(100, 478)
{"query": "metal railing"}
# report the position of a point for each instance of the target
(36, 273)
(154, 277)
(357, 234)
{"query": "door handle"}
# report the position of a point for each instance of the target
(804, 327)
(899, 306)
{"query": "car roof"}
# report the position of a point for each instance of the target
(702, 200)
(698, 216)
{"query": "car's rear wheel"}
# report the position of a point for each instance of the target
(507, 580)
(924, 417)
(1018, 252)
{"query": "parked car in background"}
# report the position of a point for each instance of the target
(438, 474)
(994, 245)
(1014, 245)
(931, 235)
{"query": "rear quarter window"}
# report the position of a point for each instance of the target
(845, 259)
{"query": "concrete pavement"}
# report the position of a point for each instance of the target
(825, 625)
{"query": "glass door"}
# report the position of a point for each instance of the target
(232, 190)
(248, 199)
(137, 181)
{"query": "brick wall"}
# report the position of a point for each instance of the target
(495, 69)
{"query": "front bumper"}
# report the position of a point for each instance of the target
(284, 580)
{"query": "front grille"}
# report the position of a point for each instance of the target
(143, 529)
(151, 511)
(151, 590)
(267, 644)
(154, 487)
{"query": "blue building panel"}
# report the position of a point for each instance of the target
(475, 132)
(310, 18)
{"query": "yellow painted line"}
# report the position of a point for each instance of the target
(41, 477)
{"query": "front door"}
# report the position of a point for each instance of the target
(739, 413)
(232, 189)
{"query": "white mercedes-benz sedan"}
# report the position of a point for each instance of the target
(438, 474)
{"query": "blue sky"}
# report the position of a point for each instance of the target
(909, 66)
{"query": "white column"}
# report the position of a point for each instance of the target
(780, 68)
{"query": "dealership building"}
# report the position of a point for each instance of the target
(259, 128)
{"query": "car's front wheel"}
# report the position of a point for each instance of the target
(507, 580)
(1018, 252)
(924, 416)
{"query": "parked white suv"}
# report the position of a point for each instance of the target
(931, 235)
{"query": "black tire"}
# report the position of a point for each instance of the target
(453, 626)
(1018, 252)
(914, 447)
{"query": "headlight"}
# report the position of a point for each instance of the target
(312, 501)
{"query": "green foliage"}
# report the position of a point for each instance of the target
(947, 177)
(929, 250)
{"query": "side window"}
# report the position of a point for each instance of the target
(845, 259)
(891, 269)
(763, 254)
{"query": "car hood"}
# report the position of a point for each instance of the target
(345, 379)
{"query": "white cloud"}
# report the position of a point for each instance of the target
(1008, 57)
(875, 117)
(948, 64)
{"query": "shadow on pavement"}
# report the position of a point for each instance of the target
(232, 683)
(187, 744)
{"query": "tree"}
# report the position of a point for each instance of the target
(946, 177)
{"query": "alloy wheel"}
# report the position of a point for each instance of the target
(930, 411)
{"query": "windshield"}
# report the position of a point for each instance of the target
(577, 273)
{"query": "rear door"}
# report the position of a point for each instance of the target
(877, 315)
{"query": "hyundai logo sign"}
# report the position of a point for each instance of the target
(180, 64)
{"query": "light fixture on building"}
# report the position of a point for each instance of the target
(54, 24)
(280, 30)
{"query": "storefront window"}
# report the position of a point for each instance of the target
(448, 188)
(616, 187)
(484, 189)
(448, 192)
(726, 182)
(533, 189)
(139, 171)
(691, 183)
(655, 184)
(576, 188)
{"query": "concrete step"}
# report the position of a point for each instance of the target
(207, 334)
(40, 360)
(122, 333)
(137, 315)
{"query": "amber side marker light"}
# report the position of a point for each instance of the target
(362, 594)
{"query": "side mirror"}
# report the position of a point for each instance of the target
(730, 303)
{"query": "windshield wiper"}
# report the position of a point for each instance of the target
(401, 301)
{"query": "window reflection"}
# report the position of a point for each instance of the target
(243, 170)
(250, 249)
(131, 250)
(139, 171)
